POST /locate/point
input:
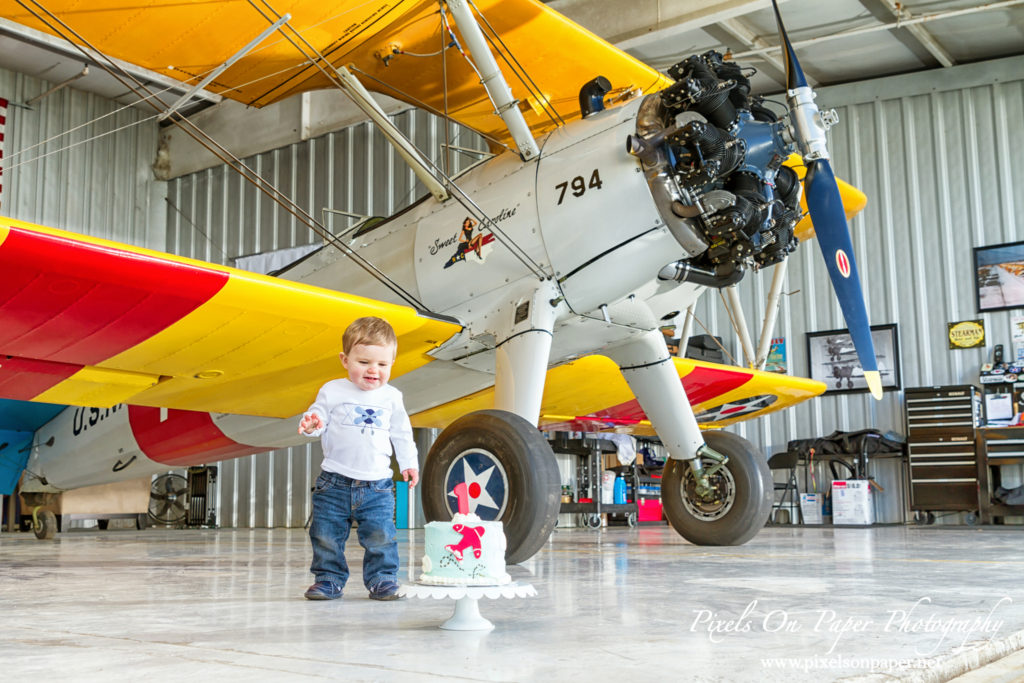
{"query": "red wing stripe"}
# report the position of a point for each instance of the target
(702, 384)
(181, 436)
(78, 302)
(24, 379)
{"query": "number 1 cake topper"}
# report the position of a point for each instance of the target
(462, 493)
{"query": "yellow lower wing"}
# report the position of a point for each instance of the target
(85, 321)
(590, 394)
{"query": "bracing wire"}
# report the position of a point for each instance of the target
(59, 27)
(458, 194)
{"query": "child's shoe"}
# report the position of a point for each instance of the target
(324, 590)
(385, 590)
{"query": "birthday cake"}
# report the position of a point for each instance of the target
(464, 551)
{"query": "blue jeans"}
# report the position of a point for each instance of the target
(337, 501)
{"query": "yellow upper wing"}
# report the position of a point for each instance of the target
(395, 46)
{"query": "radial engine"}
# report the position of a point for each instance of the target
(713, 158)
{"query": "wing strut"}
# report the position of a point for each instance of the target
(493, 81)
(771, 313)
(739, 323)
(351, 86)
(336, 77)
(223, 67)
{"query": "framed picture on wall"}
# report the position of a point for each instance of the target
(999, 276)
(833, 360)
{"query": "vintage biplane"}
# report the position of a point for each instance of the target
(527, 291)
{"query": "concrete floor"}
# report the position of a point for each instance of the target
(794, 604)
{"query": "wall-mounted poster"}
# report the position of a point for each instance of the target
(833, 359)
(966, 334)
(777, 356)
(999, 276)
(1017, 329)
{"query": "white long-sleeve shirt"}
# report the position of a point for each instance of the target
(359, 429)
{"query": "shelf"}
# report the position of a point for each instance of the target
(610, 508)
(997, 446)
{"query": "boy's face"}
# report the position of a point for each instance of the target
(369, 365)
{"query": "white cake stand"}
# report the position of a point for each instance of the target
(467, 615)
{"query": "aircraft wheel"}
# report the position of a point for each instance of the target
(45, 524)
(511, 474)
(740, 501)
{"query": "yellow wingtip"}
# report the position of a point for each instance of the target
(874, 380)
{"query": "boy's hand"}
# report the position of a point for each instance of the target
(310, 423)
(412, 476)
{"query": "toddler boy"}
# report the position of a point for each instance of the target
(358, 420)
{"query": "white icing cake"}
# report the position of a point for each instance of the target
(464, 551)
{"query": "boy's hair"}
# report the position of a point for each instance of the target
(368, 330)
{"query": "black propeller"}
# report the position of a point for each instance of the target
(826, 209)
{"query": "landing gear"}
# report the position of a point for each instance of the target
(511, 474)
(737, 503)
(44, 524)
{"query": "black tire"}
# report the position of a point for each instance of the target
(528, 482)
(744, 490)
(45, 526)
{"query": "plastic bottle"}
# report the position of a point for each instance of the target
(619, 491)
(607, 488)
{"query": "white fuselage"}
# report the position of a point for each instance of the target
(581, 218)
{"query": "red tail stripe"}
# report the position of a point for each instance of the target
(184, 437)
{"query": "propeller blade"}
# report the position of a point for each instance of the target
(826, 208)
(794, 74)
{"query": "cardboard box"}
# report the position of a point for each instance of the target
(810, 507)
(852, 503)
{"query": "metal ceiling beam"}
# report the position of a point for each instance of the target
(920, 33)
(921, 19)
(651, 20)
(738, 30)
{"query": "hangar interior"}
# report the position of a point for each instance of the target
(930, 103)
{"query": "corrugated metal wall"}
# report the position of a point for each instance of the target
(80, 162)
(936, 153)
(216, 216)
